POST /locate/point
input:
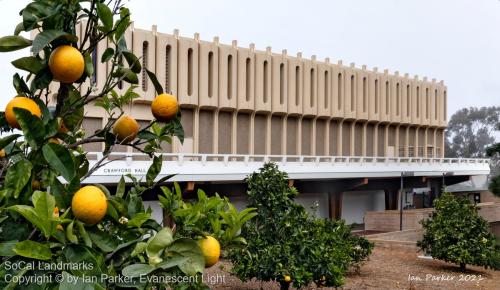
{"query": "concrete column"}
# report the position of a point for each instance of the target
(335, 205)
(252, 133)
(339, 138)
(391, 199)
(313, 136)
(234, 135)
(352, 150)
(407, 142)
(268, 134)
(215, 133)
(363, 146)
(327, 137)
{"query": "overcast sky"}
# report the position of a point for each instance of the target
(457, 41)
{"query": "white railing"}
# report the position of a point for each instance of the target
(283, 159)
(236, 167)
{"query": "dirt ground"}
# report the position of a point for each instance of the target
(386, 269)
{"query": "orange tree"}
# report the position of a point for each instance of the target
(99, 239)
(287, 245)
(457, 234)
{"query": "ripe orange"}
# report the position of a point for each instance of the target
(164, 107)
(2, 153)
(287, 278)
(89, 204)
(66, 64)
(126, 128)
(24, 103)
(210, 248)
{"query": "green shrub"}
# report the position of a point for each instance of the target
(457, 234)
(284, 240)
(214, 216)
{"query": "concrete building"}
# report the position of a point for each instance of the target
(345, 134)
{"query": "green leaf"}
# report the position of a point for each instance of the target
(17, 176)
(19, 28)
(107, 54)
(139, 249)
(59, 158)
(127, 75)
(80, 253)
(70, 235)
(156, 83)
(120, 188)
(133, 62)
(13, 42)
(137, 270)
(33, 250)
(6, 249)
(32, 126)
(7, 140)
(89, 64)
(47, 36)
(157, 244)
(122, 24)
(73, 104)
(84, 234)
(42, 79)
(154, 170)
(195, 261)
(29, 213)
(103, 240)
(28, 63)
(37, 11)
(138, 219)
(44, 204)
(106, 16)
(172, 261)
(20, 85)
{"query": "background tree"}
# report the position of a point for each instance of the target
(286, 244)
(470, 131)
(494, 153)
(456, 233)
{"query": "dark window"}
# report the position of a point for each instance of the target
(144, 65)
(190, 71)
(266, 83)
(210, 74)
(229, 76)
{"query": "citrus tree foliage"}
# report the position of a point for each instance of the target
(45, 165)
(284, 241)
(457, 234)
(213, 215)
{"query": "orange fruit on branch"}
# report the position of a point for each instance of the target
(2, 153)
(66, 64)
(210, 248)
(23, 103)
(126, 128)
(89, 204)
(164, 107)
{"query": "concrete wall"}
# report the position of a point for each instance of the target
(356, 203)
(389, 220)
(228, 79)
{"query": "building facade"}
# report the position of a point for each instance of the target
(237, 100)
